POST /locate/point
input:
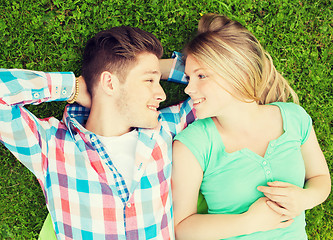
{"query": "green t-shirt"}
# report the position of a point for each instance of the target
(230, 180)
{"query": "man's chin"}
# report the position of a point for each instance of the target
(151, 124)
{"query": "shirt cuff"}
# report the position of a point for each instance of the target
(19, 86)
(178, 68)
(61, 85)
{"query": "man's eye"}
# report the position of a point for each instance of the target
(201, 76)
(150, 80)
(187, 78)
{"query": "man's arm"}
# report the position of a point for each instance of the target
(21, 132)
(180, 115)
(20, 87)
(172, 69)
(166, 66)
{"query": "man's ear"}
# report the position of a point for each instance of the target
(109, 82)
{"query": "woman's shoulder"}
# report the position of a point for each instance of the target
(201, 125)
(199, 129)
(292, 110)
(296, 120)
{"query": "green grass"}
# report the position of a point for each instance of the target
(50, 36)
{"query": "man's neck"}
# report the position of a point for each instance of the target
(104, 121)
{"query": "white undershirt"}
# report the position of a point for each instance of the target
(121, 150)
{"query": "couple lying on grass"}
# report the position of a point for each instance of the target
(106, 168)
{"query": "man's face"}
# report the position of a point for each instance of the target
(141, 93)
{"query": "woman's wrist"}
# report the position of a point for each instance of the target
(247, 223)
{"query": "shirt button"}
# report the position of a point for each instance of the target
(268, 172)
(93, 139)
(264, 162)
(64, 92)
(129, 205)
(36, 95)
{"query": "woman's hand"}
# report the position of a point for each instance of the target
(263, 218)
(83, 98)
(292, 200)
(288, 198)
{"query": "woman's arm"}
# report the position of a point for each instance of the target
(186, 180)
(318, 181)
(317, 187)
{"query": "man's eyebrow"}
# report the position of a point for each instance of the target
(152, 72)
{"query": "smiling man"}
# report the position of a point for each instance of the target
(105, 171)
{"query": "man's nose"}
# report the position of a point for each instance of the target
(160, 94)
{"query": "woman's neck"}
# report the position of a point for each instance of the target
(241, 117)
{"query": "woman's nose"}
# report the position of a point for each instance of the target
(190, 89)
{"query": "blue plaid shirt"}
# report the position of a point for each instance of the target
(85, 194)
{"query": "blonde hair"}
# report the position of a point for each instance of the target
(237, 56)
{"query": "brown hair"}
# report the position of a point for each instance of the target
(115, 50)
(237, 56)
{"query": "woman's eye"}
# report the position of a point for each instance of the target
(201, 76)
(187, 78)
(149, 80)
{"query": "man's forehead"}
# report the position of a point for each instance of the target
(147, 64)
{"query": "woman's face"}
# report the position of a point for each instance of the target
(205, 88)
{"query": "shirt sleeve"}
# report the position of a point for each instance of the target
(178, 117)
(195, 139)
(306, 125)
(177, 71)
(20, 87)
(299, 121)
(21, 132)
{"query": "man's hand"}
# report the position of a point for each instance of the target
(288, 198)
(83, 97)
(263, 218)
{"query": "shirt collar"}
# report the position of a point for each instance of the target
(75, 117)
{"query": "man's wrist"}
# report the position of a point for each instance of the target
(74, 95)
(166, 66)
(177, 71)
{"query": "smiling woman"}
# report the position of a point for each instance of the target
(253, 156)
(210, 92)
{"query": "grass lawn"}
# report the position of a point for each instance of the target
(49, 35)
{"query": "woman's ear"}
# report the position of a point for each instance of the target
(109, 82)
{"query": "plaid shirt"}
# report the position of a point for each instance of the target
(85, 194)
